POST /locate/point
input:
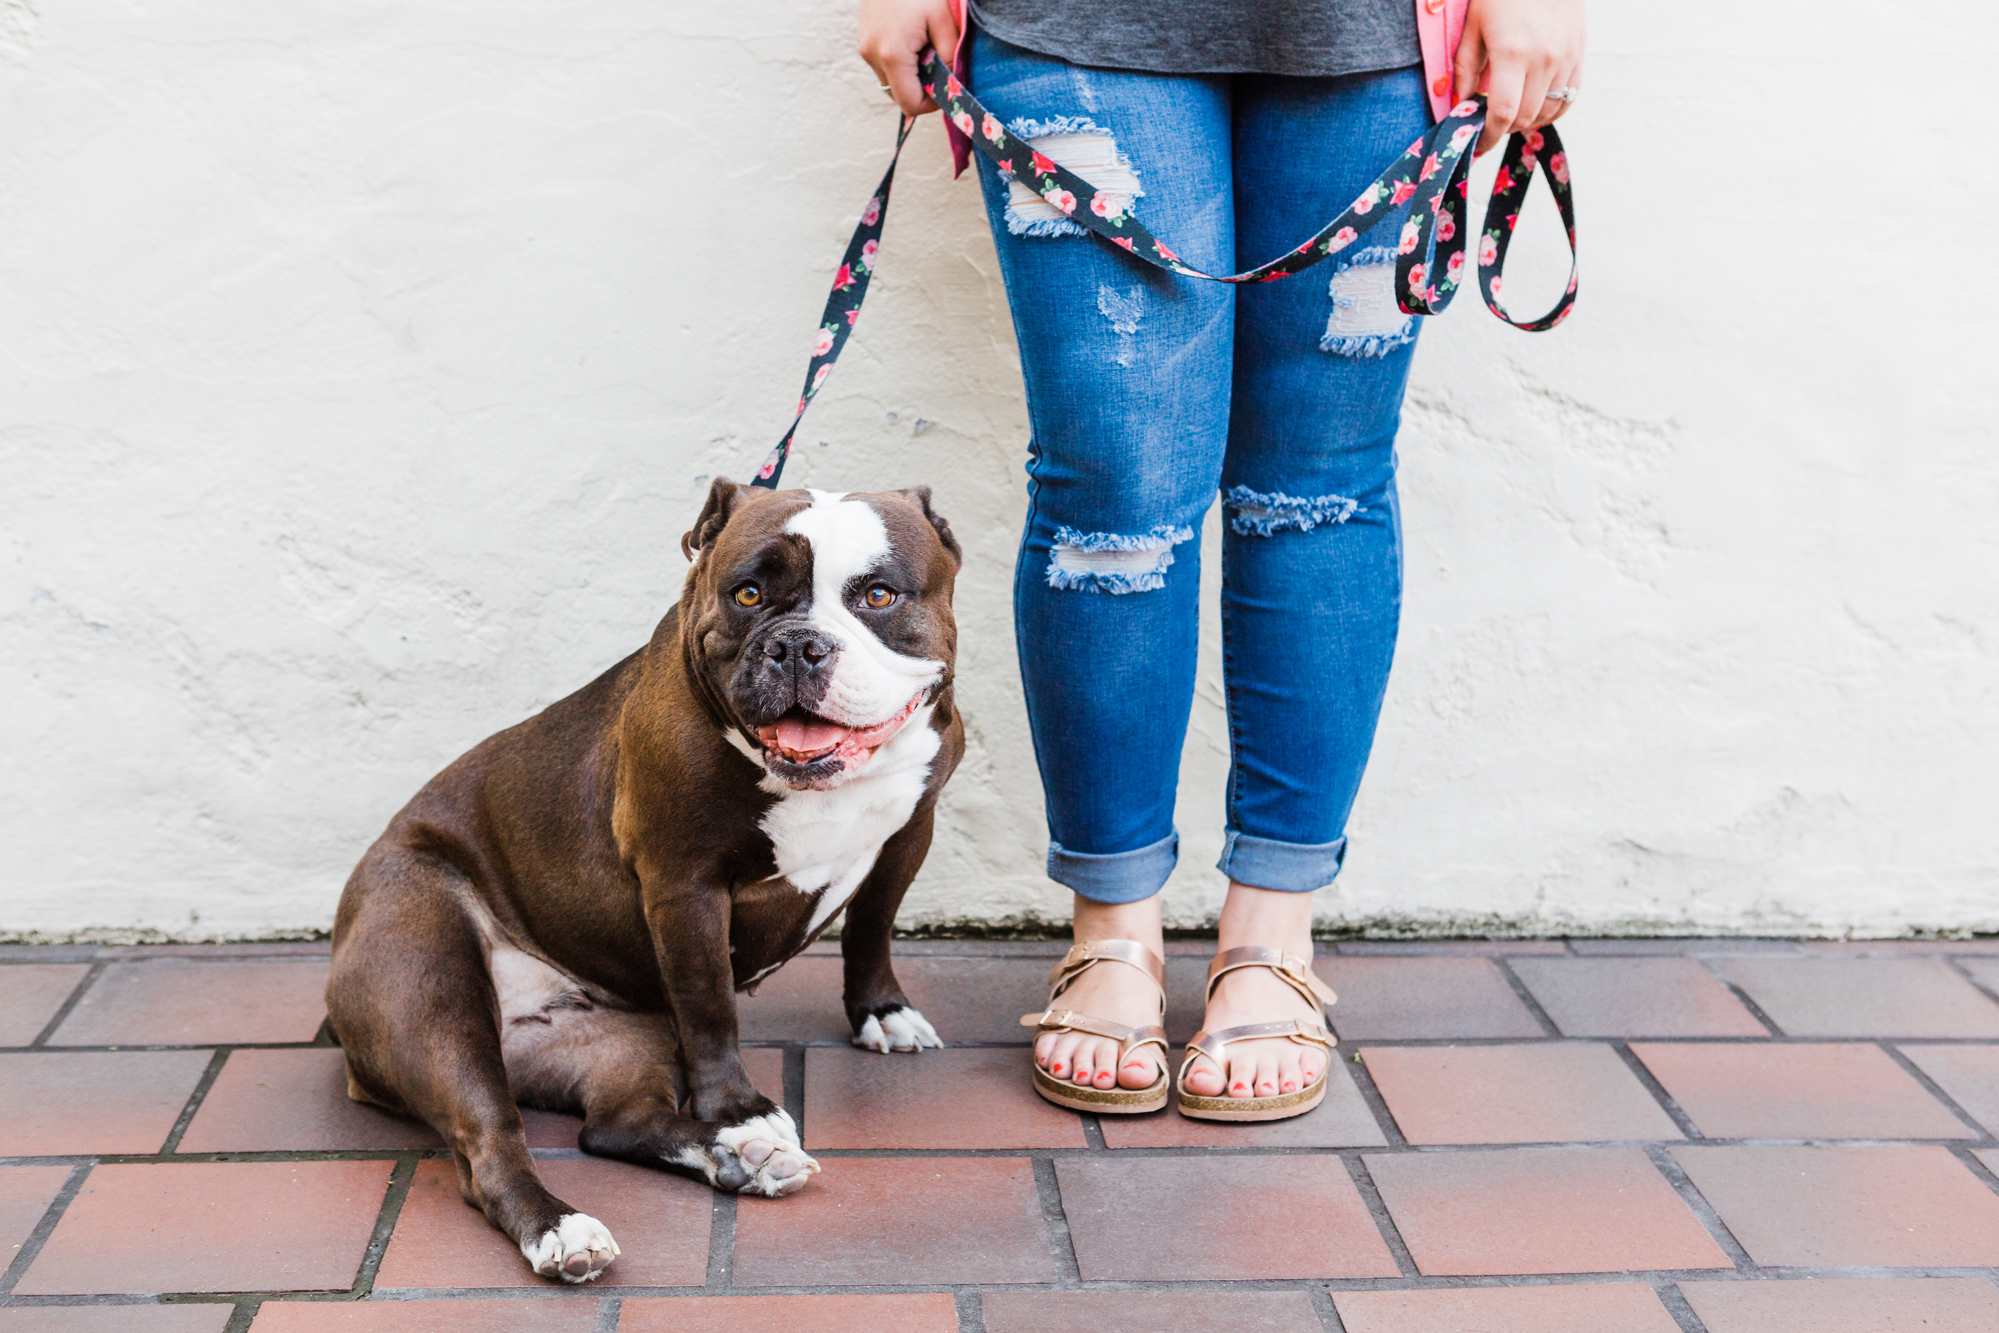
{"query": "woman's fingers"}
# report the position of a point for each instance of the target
(1505, 86)
(1555, 109)
(891, 33)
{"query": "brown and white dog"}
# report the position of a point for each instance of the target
(562, 917)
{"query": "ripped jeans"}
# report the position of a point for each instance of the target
(1148, 393)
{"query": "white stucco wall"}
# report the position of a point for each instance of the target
(361, 364)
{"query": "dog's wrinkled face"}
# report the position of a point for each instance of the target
(821, 621)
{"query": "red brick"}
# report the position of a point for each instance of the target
(271, 1101)
(1342, 1120)
(1589, 1307)
(188, 1002)
(30, 994)
(1539, 1210)
(928, 1312)
(1969, 1074)
(967, 999)
(1864, 997)
(1636, 997)
(965, 1098)
(901, 1221)
(206, 1317)
(1849, 1207)
(1386, 998)
(1847, 1305)
(213, 1226)
(1548, 1092)
(25, 1195)
(1158, 1219)
(1149, 1312)
(660, 1222)
(1845, 1090)
(377, 1316)
(1447, 948)
(61, 1103)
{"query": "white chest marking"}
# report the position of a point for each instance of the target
(826, 842)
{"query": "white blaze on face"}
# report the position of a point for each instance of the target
(871, 681)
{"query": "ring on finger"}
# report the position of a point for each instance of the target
(1563, 94)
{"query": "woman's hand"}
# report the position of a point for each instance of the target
(894, 32)
(1515, 52)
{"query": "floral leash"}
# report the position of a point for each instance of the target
(1432, 176)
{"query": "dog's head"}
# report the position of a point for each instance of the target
(821, 622)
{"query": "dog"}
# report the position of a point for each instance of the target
(562, 917)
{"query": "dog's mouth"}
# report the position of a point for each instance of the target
(804, 740)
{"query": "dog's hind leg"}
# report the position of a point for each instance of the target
(622, 1071)
(413, 1004)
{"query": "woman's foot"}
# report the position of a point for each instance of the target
(1109, 991)
(1270, 1066)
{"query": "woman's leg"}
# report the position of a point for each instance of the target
(1311, 557)
(1128, 381)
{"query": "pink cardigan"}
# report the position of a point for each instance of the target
(1439, 25)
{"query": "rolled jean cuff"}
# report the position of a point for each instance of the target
(1287, 867)
(1115, 877)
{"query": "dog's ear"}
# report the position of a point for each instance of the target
(920, 497)
(723, 497)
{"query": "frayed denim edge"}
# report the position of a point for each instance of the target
(1162, 539)
(1257, 514)
(1025, 129)
(1373, 345)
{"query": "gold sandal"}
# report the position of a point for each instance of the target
(1082, 1097)
(1297, 973)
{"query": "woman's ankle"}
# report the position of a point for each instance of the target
(1139, 921)
(1266, 919)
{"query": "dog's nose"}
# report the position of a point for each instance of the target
(809, 646)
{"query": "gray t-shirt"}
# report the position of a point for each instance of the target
(1306, 37)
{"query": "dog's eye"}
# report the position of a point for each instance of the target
(749, 595)
(881, 595)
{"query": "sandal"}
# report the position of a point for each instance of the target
(1082, 1097)
(1297, 973)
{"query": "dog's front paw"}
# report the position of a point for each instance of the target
(575, 1249)
(762, 1155)
(900, 1029)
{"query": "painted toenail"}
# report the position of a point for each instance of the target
(1289, 1086)
(1055, 1069)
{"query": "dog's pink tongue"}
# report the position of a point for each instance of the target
(806, 735)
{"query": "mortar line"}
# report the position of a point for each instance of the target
(32, 1246)
(1061, 1245)
(241, 1316)
(970, 1305)
(1377, 1208)
(609, 1311)
(1321, 1297)
(63, 1010)
(1930, 1085)
(1093, 1133)
(722, 1244)
(1683, 1185)
(1673, 1109)
(1377, 1105)
(1985, 1174)
(1526, 997)
(1675, 1301)
(1956, 963)
(401, 1177)
(194, 1100)
(1744, 999)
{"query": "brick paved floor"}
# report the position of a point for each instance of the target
(1522, 1137)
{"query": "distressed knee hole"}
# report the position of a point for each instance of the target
(1365, 319)
(1111, 562)
(1078, 143)
(1264, 514)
